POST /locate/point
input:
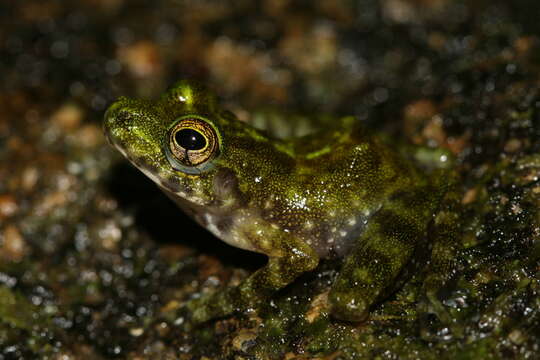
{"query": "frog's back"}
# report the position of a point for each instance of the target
(341, 178)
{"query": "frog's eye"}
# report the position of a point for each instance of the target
(192, 142)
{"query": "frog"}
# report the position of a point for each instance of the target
(337, 192)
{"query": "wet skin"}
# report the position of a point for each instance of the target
(336, 192)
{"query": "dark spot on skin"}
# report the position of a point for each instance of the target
(199, 217)
(413, 198)
(383, 263)
(372, 161)
(225, 184)
(224, 224)
(396, 226)
(172, 184)
(122, 117)
(373, 271)
(187, 190)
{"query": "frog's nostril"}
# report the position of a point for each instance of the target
(111, 112)
(116, 116)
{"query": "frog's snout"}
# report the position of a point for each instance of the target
(117, 119)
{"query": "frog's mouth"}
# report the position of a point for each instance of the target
(168, 183)
(123, 136)
(151, 171)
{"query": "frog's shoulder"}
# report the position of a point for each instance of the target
(340, 136)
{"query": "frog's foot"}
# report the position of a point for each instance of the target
(296, 258)
(182, 319)
(430, 304)
(201, 310)
(221, 304)
(378, 262)
(346, 307)
(363, 280)
(212, 306)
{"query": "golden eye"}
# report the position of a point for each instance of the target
(193, 141)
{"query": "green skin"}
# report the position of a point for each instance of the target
(338, 192)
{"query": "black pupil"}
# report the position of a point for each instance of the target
(190, 139)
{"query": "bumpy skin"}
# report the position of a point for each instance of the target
(338, 192)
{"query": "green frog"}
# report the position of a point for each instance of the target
(336, 192)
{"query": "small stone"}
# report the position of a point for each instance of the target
(174, 252)
(434, 130)
(421, 109)
(136, 332)
(142, 59)
(318, 306)
(90, 136)
(13, 246)
(512, 145)
(244, 340)
(8, 206)
(68, 117)
(524, 43)
(64, 356)
(516, 336)
(109, 234)
(470, 196)
(29, 178)
(171, 306)
(50, 202)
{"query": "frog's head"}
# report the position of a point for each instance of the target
(185, 142)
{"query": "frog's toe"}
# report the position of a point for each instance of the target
(347, 307)
(192, 313)
(200, 315)
(213, 306)
(436, 320)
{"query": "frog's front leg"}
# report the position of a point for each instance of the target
(288, 258)
(383, 253)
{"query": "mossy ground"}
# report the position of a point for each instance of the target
(94, 260)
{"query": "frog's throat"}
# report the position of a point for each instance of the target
(221, 222)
